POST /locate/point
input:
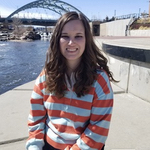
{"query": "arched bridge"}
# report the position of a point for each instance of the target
(56, 6)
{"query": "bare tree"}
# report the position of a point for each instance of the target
(18, 27)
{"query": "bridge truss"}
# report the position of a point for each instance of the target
(56, 6)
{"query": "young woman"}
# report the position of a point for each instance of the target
(71, 104)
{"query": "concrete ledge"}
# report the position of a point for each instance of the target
(122, 48)
(134, 76)
(117, 89)
(139, 32)
(129, 60)
(28, 86)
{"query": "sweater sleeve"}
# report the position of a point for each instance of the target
(95, 135)
(37, 117)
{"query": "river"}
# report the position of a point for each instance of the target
(20, 62)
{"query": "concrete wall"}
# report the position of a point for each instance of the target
(114, 28)
(118, 28)
(134, 76)
(120, 68)
(139, 79)
(139, 33)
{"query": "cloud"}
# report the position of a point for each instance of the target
(4, 11)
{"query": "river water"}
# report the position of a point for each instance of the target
(20, 62)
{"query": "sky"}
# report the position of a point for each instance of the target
(93, 9)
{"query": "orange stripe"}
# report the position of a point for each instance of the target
(91, 143)
(39, 87)
(54, 99)
(68, 129)
(35, 123)
(66, 101)
(75, 147)
(68, 148)
(73, 117)
(36, 134)
(55, 144)
(42, 85)
(37, 90)
(95, 95)
(98, 130)
(45, 97)
(91, 91)
(37, 101)
(103, 84)
(81, 104)
(36, 113)
(106, 117)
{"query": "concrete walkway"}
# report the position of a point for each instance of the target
(130, 125)
(125, 41)
(14, 108)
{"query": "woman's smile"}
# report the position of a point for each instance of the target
(72, 42)
(71, 50)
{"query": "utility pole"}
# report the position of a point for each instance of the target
(115, 13)
(149, 8)
(139, 12)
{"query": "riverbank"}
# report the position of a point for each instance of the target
(19, 40)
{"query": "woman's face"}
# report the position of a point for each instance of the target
(72, 41)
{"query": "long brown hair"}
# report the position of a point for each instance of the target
(85, 73)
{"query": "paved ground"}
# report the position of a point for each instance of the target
(133, 42)
(130, 125)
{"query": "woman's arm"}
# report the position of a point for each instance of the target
(37, 117)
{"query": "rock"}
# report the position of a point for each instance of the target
(33, 35)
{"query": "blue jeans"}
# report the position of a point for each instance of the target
(49, 147)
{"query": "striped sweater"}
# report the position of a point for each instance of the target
(70, 123)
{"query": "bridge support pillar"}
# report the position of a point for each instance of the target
(95, 26)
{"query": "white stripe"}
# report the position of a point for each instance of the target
(83, 146)
(98, 89)
(107, 80)
(36, 96)
(103, 124)
(45, 92)
(39, 126)
(66, 136)
(73, 95)
(34, 144)
(101, 111)
(37, 107)
(34, 119)
(40, 79)
(96, 137)
(58, 138)
(68, 122)
(68, 108)
(105, 96)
